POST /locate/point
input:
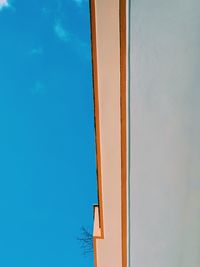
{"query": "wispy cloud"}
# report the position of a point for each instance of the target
(46, 11)
(82, 48)
(38, 88)
(36, 51)
(4, 4)
(61, 32)
(79, 2)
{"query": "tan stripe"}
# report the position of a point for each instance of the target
(122, 14)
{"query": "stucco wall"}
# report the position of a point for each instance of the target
(165, 131)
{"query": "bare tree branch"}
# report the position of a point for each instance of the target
(86, 241)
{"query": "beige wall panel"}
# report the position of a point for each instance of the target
(108, 69)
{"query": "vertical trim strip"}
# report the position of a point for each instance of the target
(122, 15)
(122, 28)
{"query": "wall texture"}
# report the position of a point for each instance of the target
(165, 130)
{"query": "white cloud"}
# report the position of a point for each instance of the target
(36, 51)
(79, 2)
(38, 88)
(46, 11)
(4, 4)
(61, 32)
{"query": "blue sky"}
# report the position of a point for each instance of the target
(47, 147)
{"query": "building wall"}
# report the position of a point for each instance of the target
(109, 248)
(164, 133)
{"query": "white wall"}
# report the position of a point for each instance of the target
(165, 133)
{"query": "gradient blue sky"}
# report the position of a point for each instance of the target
(47, 148)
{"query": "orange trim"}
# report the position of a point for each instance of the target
(96, 112)
(122, 15)
(95, 251)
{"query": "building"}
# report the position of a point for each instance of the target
(146, 87)
(109, 72)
